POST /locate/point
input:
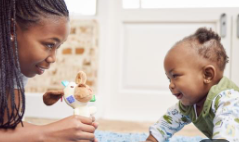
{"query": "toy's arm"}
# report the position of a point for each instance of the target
(168, 124)
(51, 97)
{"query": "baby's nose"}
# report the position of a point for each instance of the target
(171, 86)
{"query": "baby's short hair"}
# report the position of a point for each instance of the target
(208, 45)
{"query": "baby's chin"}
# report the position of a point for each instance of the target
(187, 104)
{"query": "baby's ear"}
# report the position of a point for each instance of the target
(209, 73)
(81, 78)
(51, 97)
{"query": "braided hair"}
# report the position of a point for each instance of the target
(25, 13)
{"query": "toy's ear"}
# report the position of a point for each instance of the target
(51, 97)
(81, 78)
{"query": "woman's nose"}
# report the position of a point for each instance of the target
(52, 57)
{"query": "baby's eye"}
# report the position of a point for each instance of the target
(175, 75)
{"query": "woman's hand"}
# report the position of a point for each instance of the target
(71, 129)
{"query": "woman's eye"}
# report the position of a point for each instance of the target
(49, 45)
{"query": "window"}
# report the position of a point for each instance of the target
(132, 4)
(82, 7)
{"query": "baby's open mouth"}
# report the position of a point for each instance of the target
(179, 95)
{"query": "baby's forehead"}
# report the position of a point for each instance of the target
(185, 54)
(183, 49)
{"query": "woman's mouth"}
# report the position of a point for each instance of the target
(40, 70)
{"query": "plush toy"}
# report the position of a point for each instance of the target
(76, 94)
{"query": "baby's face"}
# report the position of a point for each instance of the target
(185, 73)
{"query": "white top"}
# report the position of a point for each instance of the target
(24, 81)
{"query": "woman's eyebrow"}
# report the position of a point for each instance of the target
(56, 39)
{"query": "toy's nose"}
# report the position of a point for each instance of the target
(81, 85)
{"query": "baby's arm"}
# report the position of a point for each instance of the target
(168, 124)
(226, 120)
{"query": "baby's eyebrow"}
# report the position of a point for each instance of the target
(170, 71)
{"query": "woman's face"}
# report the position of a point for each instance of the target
(38, 44)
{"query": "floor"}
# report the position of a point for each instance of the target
(124, 126)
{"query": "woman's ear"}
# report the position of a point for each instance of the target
(209, 73)
(12, 29)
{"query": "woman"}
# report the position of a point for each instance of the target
(31, 31)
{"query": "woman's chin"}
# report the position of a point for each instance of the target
(29, 75)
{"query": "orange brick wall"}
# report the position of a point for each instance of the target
(79, 52)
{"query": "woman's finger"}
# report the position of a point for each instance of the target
(95, 124)
(93, 118)
(86, 136)
(85, 120)
(87, 128)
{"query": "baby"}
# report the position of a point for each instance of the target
(194, 67)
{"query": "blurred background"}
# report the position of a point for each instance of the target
(121, 44)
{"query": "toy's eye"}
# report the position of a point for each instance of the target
(72, 86)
